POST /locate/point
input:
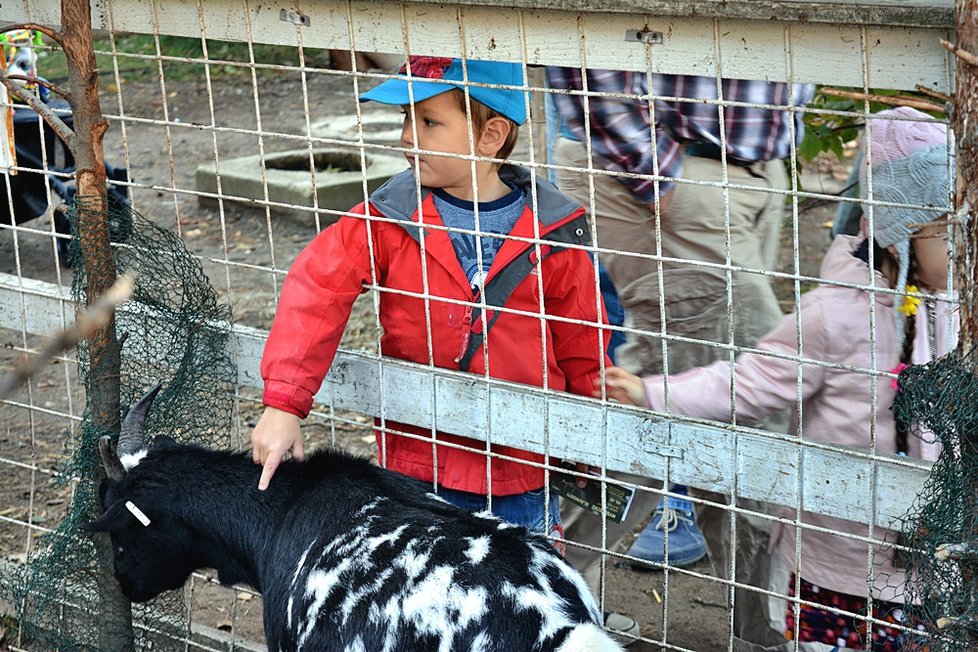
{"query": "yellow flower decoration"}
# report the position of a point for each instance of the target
(909, 306)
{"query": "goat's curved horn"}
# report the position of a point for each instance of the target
(131, 435)
(110, 461)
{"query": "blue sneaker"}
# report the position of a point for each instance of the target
(686, 543)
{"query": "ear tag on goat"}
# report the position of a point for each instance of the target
(138, 513)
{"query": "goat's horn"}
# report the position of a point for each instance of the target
(131, 435)
(110, 461)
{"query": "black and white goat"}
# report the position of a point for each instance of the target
(348, 556)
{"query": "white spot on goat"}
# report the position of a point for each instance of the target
(356, 646)
(478, 548)
(435, 496)
(295, 579)
(319, 585)
(438, 606)
(130, 461)
(375, 542)
(482, 643)
(541, 597)
(412, 560)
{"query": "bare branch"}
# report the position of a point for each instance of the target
(50, 117)
(47, 31)
(40, 81)
(944, 97)
(892, 100)
(93, 319)
(964, 55)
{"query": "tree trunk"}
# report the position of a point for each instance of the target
(115, 619)
(965, 124)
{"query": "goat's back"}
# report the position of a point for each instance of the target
(404, 570)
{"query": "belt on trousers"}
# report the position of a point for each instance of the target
(709, 150)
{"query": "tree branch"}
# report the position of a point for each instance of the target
(47, 31)
(49, 116)
(964, 55)
(944, 97)
(40, 81)
(893, 100)
(89, 322)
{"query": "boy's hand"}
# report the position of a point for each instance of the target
(276, 434)
(622, 387)
(585, 468)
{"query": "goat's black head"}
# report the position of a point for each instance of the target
(151, 554)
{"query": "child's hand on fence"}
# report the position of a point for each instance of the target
(622, 387)
(276, 434)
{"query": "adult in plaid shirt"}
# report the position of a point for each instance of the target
(703, 165)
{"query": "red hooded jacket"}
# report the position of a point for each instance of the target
(343, 260)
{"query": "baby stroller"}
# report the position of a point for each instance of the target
(28, 196)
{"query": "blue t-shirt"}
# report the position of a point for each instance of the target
(496, 219)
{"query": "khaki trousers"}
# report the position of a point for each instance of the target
(700, 303)
(693, 230)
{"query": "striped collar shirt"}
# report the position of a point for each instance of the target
(621, 127)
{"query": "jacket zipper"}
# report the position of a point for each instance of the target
(466, 333)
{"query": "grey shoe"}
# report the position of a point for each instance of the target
(623, 629)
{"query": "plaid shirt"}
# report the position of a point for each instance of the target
(621, 134)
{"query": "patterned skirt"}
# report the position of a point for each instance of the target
(848, 632)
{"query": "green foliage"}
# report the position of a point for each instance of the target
(829, 132)
(182, 58)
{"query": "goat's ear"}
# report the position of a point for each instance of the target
(113, 519)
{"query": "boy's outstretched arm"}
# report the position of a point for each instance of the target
(276, 434)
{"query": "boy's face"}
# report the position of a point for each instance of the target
(441, 127)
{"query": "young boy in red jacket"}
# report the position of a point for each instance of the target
(520, 250)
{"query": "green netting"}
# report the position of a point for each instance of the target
(941, 530)
(172, 331)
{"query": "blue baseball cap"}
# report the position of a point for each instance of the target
(509, 102)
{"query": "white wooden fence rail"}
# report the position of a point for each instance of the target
(825, 479)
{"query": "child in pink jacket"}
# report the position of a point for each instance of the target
(910, 253)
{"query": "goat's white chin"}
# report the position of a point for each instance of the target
(588, 637)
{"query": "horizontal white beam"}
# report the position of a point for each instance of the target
(898, 55)
(828, 480)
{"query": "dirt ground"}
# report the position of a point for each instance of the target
(236, 245)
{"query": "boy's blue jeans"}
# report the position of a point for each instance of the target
(526, 509)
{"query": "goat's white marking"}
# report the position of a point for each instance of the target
(590, 637)
(541, 597)
(439, 606)
(478, 548)
(356, 646)
(319, 584)
(138, 513)
(375, 542)
(295, 578)
(412, 561)
(130, 461)
(482, 643)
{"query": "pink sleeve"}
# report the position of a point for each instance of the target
(765, 382)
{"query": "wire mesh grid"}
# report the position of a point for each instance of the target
(232, 133)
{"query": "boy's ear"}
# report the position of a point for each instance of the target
(494, 135)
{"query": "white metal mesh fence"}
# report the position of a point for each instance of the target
(240, 126)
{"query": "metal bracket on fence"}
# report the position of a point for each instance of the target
(649, 445)
(294, 17)
(643, 36)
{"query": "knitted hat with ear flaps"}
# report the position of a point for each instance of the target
(910, 166)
